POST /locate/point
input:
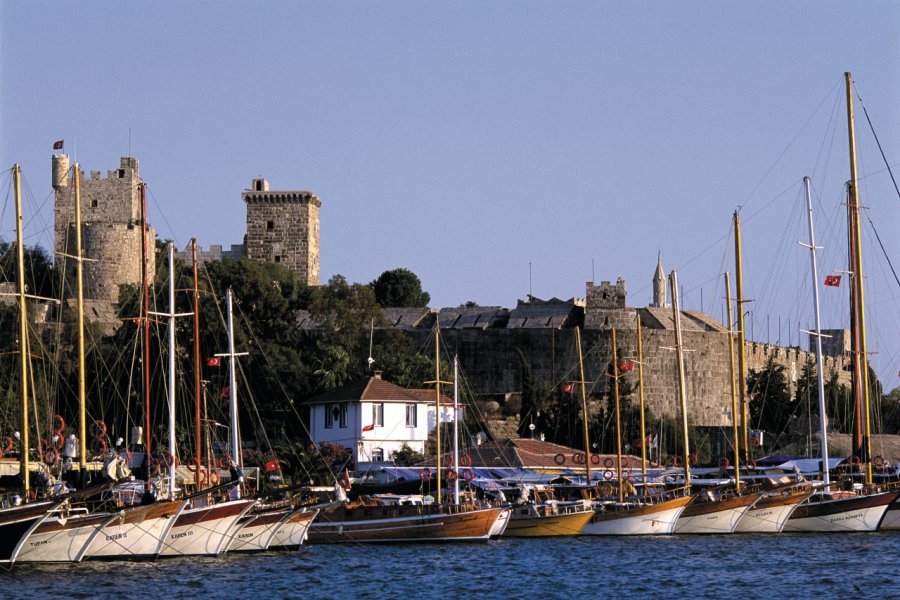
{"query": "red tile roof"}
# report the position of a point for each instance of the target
(368, 389)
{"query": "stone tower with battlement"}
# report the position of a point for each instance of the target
(111, 227)
(283, 227)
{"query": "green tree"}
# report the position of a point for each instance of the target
(771, 405)
(399, 288)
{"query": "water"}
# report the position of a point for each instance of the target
(736, 566)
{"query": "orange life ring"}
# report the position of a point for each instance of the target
(9, 444)
(98, 446)
(171, 460)
(578, 458)
(98, 428)
(724, 462)
(425, 474)
(213, 477)
(193, 464)
(466, 461)
(452, 475)
(559, 459)
(468, 474)
(595, 459)
(672, 461)
(878, 461)
(608, 462)
(51, 456)
(607, 474)
(60, 420)
(755, 442)
(154, 466)
(855, 460)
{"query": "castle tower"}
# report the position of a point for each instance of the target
(283, 227)
(111, 227)
(659, 285)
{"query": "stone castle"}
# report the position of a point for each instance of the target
(495, 345)
(282, 227)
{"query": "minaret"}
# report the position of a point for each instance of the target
(659, 285)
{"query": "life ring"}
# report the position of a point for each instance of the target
(724, 462)
(578, 458)
(559, 459)
(452, 475)
(607, 474)
(855, 460)
(98, 446)
(154, 466)
(213, 477)
(193, 464)
(98, 428)
(595, 459)
(755, 442)
(468, 474)
(51, 456)
(626, 475)
(751, 464)
(466, 461)
(57, 419)
(878, 461)
(672, 461)
(608, 462)
(626, 462)
(605, 490)
(695, 460)
(9, 444)
(171, 460)
(425, 474)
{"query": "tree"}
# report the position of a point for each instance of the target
(771, 405)
(399, 288)
(406, 456)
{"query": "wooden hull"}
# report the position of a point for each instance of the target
(650, 519)
(16, 524)
(62, 537)
(714, 517)
(137, 532)
(204, 531)
(530, 525)
(770, 513)
(403, 524)
(857, 513)
(293, 531)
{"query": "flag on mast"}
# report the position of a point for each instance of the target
(833, 280)
(58, 145)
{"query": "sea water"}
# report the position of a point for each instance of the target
(738, 567)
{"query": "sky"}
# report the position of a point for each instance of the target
(495, 149)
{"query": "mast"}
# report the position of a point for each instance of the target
(742, 362)
(79, 272)
(618, 417)
(172, 369)
(456, 428)
(734, 405)
(682, 393)
(23, 337)
(232, 385)
(858, 286)
(584, 405)
(820, 374)
(437, 401)
(197, 434)
(640, 351)
(145, 323)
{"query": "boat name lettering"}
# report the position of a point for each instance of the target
(40, 543)
(178, 536)
(117, 536)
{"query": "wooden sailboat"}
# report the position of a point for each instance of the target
(713, 512)
(634, 515)
(857, 510)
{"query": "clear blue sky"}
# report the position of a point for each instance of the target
(466, 140)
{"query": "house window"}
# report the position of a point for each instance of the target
(378, 455)
(332, 414)
(343, 412)
(411, 416)
(378, 414)
(270, 225)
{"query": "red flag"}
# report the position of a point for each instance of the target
(273, 465)
(568, 388)
(627, 365)
(833, 280)
(213, 361)
(369, 427)
(58, 145)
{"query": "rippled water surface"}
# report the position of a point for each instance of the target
(738, 567)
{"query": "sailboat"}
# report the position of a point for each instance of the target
(713, 511)
(651, 514)
(863, 507)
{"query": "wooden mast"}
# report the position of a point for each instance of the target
(682, 392)
(584, 405)
(437, 402)
(859, 305)
(742, 361)
(615, 377)
(145, 324)
(197, 365)
(23, 338)
(79, 282)
(640, 352)
(734, 404)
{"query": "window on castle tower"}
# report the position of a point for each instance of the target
(270, 225)
(95, 203)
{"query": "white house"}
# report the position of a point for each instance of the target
(374, 418)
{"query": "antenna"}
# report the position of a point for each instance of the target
(371, 360)
(529, 281)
